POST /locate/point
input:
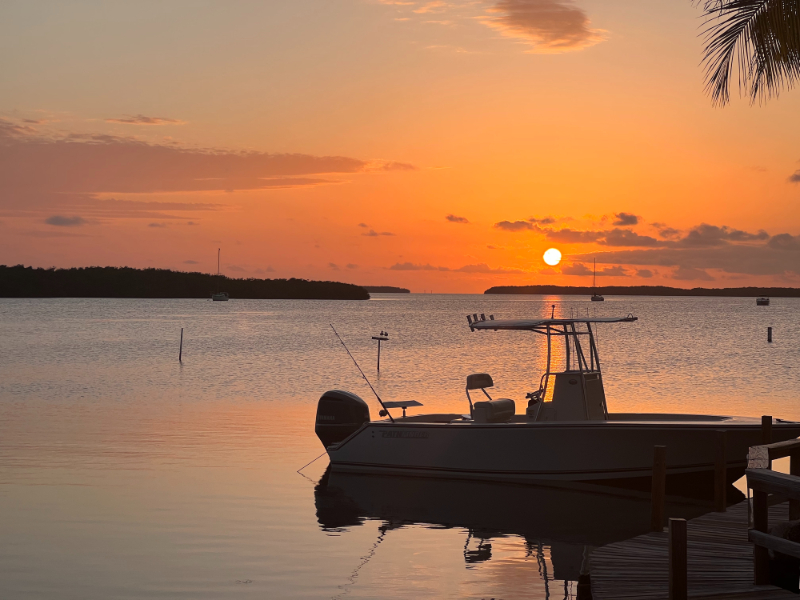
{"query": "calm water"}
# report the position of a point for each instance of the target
(124, 474)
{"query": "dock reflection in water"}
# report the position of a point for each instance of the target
(559, 525)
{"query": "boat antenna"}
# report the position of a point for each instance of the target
(391, 418)
(218, 251)
(594, 279)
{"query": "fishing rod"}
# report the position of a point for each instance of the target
(391, 418)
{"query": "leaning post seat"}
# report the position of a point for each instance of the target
(501, 410)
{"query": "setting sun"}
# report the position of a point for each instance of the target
(552, 257)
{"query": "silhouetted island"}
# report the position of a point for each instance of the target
(126, 282)
(644, 290)
(385, 289)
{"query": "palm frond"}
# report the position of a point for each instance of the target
(761, 38)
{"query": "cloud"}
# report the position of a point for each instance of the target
(549, 26)
(373, 233)
(157, 225)
(62, 221)
(491, 247)
(616, 271)
(576, 269)
(784, 241)
(477, 268)
(544, 221)
(364, 225)
(191, 262)
(795, 177)
(143, 120)
(267, 270)
(36, 168)
(623, 219)
(572, 236)
(351, 266)
(455, 219)
(513, 225)
(669, 233)
(430, 7)
(626, 237)
(333, 266)
(712, 235)
(236, 268)
(646, 273)
(691, 274)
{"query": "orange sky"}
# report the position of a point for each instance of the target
(332, 140)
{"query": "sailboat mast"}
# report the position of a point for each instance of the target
(218, 251)
(594, 279)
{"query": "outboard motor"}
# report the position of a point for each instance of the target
(339, 414)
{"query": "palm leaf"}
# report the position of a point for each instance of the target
(760, 38)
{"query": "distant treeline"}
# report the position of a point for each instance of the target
(385, 289)
(644, 290)
(125, 282)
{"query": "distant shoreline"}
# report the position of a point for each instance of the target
(645, 290)
(127, 282)
(385, 289)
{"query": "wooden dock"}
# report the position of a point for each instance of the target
(720, 561)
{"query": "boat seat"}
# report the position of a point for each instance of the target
(501, 410)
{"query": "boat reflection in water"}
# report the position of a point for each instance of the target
(560, 523)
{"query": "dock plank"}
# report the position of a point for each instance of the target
(720, 563)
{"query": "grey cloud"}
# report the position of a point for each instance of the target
(62, 221)
(784, 241)
(236, 268)
(190, 262)
(364, 225)
(550, 26)
(477, 268)
(576, 269)
(626, 237)
(373, 233)
(408, 266)
(669, 233)
(544, 221)
(333, 266)
(157, 225)
(712, 235)
(795, 177)
(646, 273)
(624, 219)
(351, 266)
(513, 225)
(616, 271)
(455, 219)
(572, 236)
(691, 274)
(484, 268)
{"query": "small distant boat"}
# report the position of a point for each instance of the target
(219, 296)
(595, 296)
(762, 301)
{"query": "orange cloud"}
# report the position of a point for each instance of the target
(143, 120)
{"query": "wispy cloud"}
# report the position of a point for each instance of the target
(373, 233)
(143, 120)
(623, 219)
(476, 268)
(455, 219)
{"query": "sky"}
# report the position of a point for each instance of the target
(436, 145)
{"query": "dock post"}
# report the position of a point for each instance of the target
(794, 469)
(678, 577)
(721, 473)
(769, 334)
(766, 429)
(180, 351)
(761, 523)
(383, 337)
(658, 488)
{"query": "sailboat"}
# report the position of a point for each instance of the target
(219, 296)
(595, 296)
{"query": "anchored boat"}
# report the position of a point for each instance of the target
(565, 433)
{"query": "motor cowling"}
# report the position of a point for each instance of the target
(339, 414)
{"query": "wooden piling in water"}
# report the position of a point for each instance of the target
(769, 334)
(678, 560)
(658, 488)
(180, 351)
(721, 472)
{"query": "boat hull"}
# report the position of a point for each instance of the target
(585, 451)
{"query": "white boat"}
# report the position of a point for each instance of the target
(219, 296)
(566, 433)
(595, 296)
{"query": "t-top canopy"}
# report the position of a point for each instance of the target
(541, 325)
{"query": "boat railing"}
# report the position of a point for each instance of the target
(765, 483)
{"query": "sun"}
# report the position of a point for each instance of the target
(552, 257)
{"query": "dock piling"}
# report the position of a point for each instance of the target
(766, 429)
(180, 351)
(383, 337)
(678, 559)
(658, 488)
(769, 334)
(721, 473)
